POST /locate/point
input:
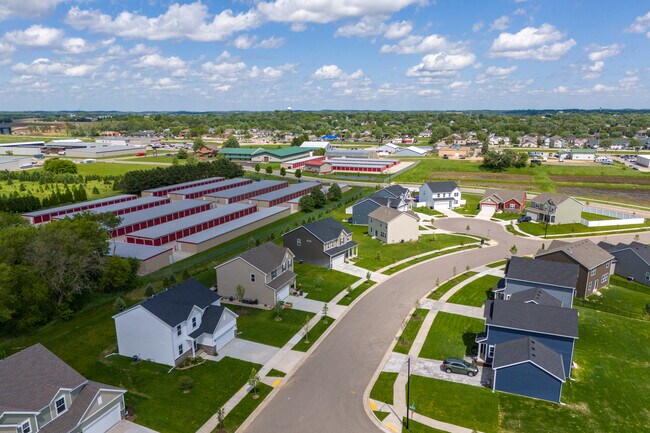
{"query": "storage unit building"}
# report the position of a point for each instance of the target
(299, 163)
(164, 190)
(177, 229)
(200, 191)
(143, 219)
(123, 208)
(283, 195)
(45, 215)
(361, 165)
(240, 193)
(151, 258)
(210, 238)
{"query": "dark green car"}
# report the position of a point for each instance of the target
(455, 365)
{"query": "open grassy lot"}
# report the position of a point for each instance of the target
(321, 284)
(425, 210)
(449, 284)
(471, 205)
(406, 338)
(410, 263)
(314, 334)
(162, 159)
(244, 408)
(538, 229)
(356, 292)
(260, 325)
(619, 300)
(476, 292)
(451, 335)
(497, 264)
(506, 216)
(112, 168)
(382, 390)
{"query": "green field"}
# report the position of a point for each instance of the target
(356, 292)
(449, 284)
(476, 292)
(162, 159)
(451, 335)
(537, 229)
(259, 325)
(471, 205)
(595, 217)
(619, 300)
(41, 191)
(331, 282)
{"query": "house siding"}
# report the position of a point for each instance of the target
(568, 212)
(431, 199)
(98, 412)
(564, 294)
(238, 271)
(310, 250)
(628, 264)
(587, 283)
(141, 333)
(529, 380)
(403, 228)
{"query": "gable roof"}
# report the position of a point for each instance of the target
(584, 251)
(543, 271)
(209, 321)
(387, 214)
(174, 305)
(31, 378)
(504, 195)
(546, 196)
(441, 186)
(541, 319)
(536, 295)
(265, 257)
(528, 349)
(396, 190)
(326, 229)
(641, 250)
(381, 201)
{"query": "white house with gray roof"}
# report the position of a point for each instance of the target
(441, 195)
(174, 324)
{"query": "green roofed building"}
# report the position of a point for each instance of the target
(265, 155)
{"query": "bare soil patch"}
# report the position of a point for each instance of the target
(632, 180)
(482, 175)
(632, 196)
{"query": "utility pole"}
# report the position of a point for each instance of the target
(408, 390)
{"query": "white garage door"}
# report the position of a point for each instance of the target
(488, 205)
(442, 205)
(108, 420)
(283, 293)
(338, 260)
(226, 337)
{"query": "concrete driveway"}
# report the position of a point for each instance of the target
(125, 426)
(486, 213)
(246, 351)
(316, 307)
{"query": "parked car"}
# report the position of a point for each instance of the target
(455, 365)
(524, 219)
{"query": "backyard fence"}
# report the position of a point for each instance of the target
(621, 219)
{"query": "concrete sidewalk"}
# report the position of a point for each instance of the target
(463, 310)
(245, 350)
(316, 307)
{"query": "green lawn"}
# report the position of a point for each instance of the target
(538, 229)
(410, 263)
(471, 205)
(476, 292)
(321, 284)
(425, 210)
(619, 300)
(244, 408)
(314, 334)
(595, 217)
(506, 216)
(381, 415)
(416, 427)
(163, 159)
(275, 373)
(260, 326)
(406, 339)
(382, 390)
(497, 264)
(451, 335)
(112, 168)
(356, 292)
(449, 284)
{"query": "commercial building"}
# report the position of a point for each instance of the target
(177, 229)
(318, 167)
(351, 153)
(299, 163)
(102, 151)
(241, 193)
(123, 208)
(265, 155)
(151, 258)
(164, 190)
(643, 161)
(14, 162)
(201, 190)
(45, 215)
(283, 195)
(143, 219)
(361, 165)
(22, 148)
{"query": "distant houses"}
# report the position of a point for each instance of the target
(632, 261)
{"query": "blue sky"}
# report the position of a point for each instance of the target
(214, 55)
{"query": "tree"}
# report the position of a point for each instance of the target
(277, 309)
(240, 292)
(318, 282)
(221, 415)
(283, 172)
(269, 169)
(60, 166)
(182, 154)
(325, 311)
(149, 291)
(334, 193)
(298, 173)
(185, 383)
(306, 203)
(253, 381)
(231, 142)
(306, 327)
(368, 276)
(258, 168)
(319, 198)
(197, 144)
(513, 249)
(485, 148)
(119, 305)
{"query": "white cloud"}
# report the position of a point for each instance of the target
(271, 43)
(602, 52)
(398, 30)
(272, 73)
(602, 88)
(44, 67)
(166, 84)
(560, 89)
(189, 21)
(298, 27)
(223, 67)
(519, 11)
(221, 88)
(367, 26)
(419, 44)
(156, 61)
(537, 43)
(26, 8)
(6, 49)
(244, 42)
(596, 67)
(500, 23)
(333, 72)
(640, 25)
(441, 63)
(496, 71)
(458, 85)
(428, 92)
(477, 26)
(39, 37)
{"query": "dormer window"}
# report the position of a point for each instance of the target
(193, 322)
(253, 277)
(26, 427)
(60, 406)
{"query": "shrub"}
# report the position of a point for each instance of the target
(185, 383)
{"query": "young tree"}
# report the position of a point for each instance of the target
(368, 276)
(149, 291)
(306, 328)
(298, 173)
(253, 381)
(231, 142)
(182, 154)
(318, 282)
(513, 249)
(185, 383)
(277, 309)
(283, 172)
(60, 166)
(221, 415)
(240, 292)
(258, 168)
(269, 169)
(119, 305)
(325, 311)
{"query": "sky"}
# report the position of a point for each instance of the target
(221, 55)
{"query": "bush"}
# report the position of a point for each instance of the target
(185, 383)
(119, 305)
(60, 166)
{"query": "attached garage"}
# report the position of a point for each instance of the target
(438, 205)
(488, 205)
(106, 421)
(228, 335)
(338, 260)
(283, 293)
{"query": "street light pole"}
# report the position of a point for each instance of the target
(408, 390)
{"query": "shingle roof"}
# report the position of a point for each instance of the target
(31, 378)
(326, 229)
(528, 349)
(382, 201)
(173, 305)
(641, 250)
(341, 248)
(504, 195)
(543, 271)
(536, 295)
(442, 186)
(585, 252)
(396, 190)
(265, 257)
(546, 196)
(209, 320)
(387, 214)
(281, 280)
(542, 319)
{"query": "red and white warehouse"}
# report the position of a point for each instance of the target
(245, 192)
(200, 191)
(164, 190)
(299, 163)
(361, 165)
(173, 230)
(158, 215)
(283, 195)
(123, 208)
(45, 215)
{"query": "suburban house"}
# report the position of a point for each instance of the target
(554, 209)
(525, 278)
(506, 200)
(41, 393)
(453, 152)
(325, 243)
(555, 141)
(394, 191)
(174, 324)
(441, 195)
(594, 262)
(632, 261)
(391, 226)
(514, 334)
(266, 272)
(365, 206)
(207, 151)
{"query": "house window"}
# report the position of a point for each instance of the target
(284, 266)
(491, 351)
(604, 279)
(275, 273)
(508, 296)
(593, 272)
(647, 276)
(26, 427)
(193, 322)
(178, 330)
(590, 284)
(607, 265)
(253, 277)
(298, 242)
(180, 349)
(60, 405)
(455, 194)
(511, 206)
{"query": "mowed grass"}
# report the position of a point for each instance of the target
(451, 335)
(382, 390)
(112, 168)
(407, 337)
(538, 229)
(449, 284)
(314, 334)
(595, 217)
(476, 292)
(244, 408)
(619, 300)
(471, 205)
(356, 292)
(255, 324)
(321, 284)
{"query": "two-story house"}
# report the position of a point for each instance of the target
(365, 206)
(632, 260)
(391, 226)
(595, 264)
(41, 393)
(525, 277)
(325, 243)
(265, 272)
(554, 209)
(441, 195)
(394, 191)
(174, 324)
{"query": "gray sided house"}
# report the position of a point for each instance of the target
(593, 261)
(325, 243)
(632, 260)
(41, 393)
(391, 226)
(365, 206)
(174, 324)
(554, 209)
(525, 276)
(440, 195)
(266, 272)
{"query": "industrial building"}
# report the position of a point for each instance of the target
(122, 208)
(45, 215)
(143, 219)
(299, 163)
(351, 153)
(210, 238)
(265, 155)
(201, 190)
(177, 229)
(164, 190)
(241, 193)
(14, 162)
(29, 148)
(361, 165)
(283, 195)
(102, 151)
(151, 258)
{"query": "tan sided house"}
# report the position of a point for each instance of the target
(392, 226)
(266, 272)
(554, 209)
